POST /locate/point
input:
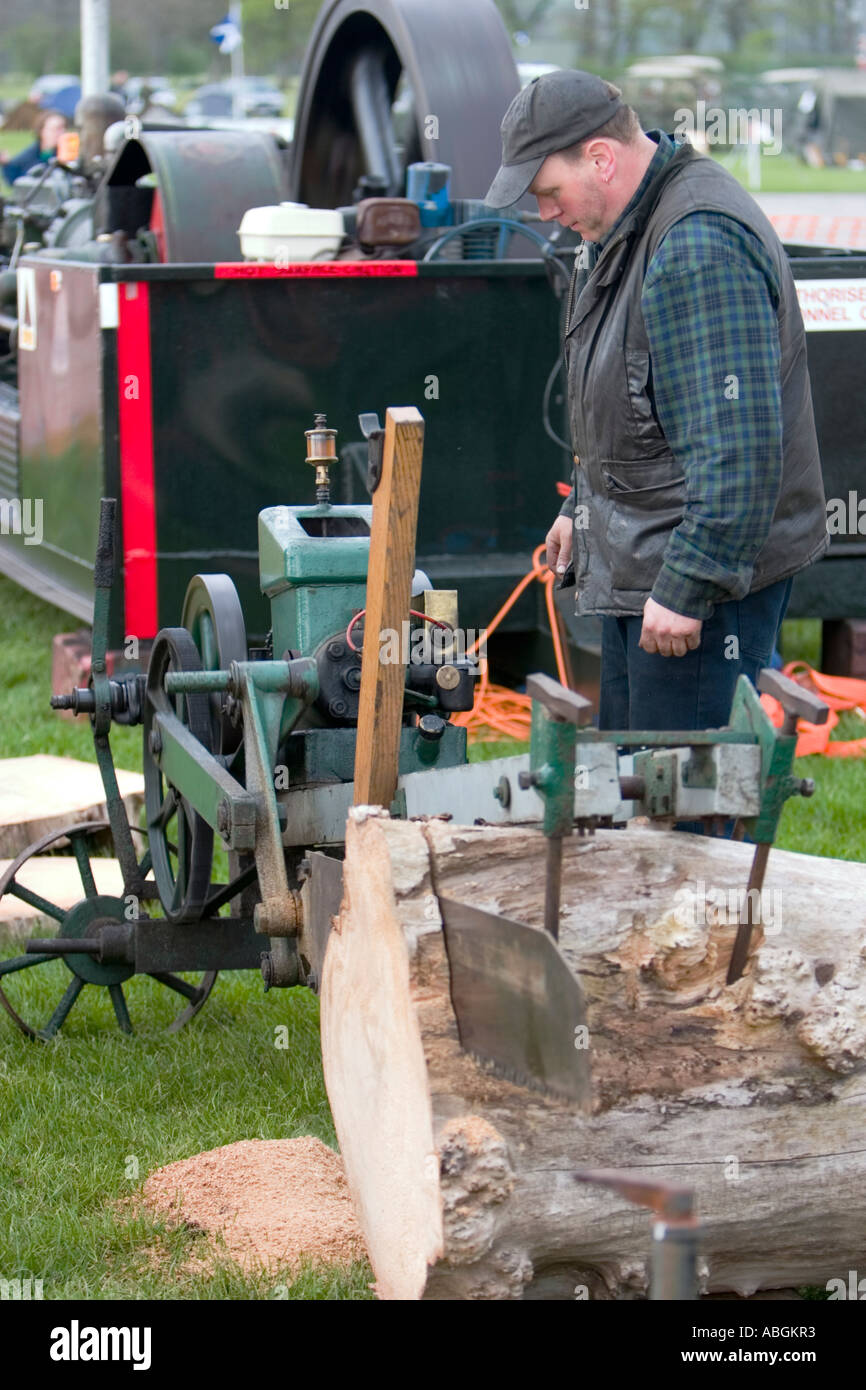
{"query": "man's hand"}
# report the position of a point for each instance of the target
(666, 632)
(558, 541)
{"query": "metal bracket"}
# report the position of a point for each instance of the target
(375, 437)
(658, 769)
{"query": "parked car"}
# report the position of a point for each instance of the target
(240, 96)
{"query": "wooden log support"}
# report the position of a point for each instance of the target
(389, 589)
(754, 1094)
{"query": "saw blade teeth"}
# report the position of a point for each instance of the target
(502, 1072)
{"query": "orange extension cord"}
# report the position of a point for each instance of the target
(497, 711)
(840, 693)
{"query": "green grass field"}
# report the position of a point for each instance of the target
(75, 1112)
(87, 1117)
(785, 173)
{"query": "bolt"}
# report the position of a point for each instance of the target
(352, 677)
(431, 727)
(447, 677)
(335, 650)
(502, 792)
(267, 969)
(525, 780)
(807, 787)
(233, 710)
(154, 743)
(337, 709)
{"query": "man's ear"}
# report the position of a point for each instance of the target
(601, 154)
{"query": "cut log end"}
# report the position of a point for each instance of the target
(463, 1182)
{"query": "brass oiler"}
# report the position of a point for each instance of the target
(321, 453)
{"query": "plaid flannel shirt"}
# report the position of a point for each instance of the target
(709, 306)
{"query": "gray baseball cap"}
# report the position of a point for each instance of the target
(549, 114)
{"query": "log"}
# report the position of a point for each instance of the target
(752, 1094)
(43, 792)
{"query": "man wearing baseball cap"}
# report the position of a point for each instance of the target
(697, 491)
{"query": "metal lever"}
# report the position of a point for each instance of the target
(795, 701)
(673, 1263)
(797, 704)
(555, 714)
(561, 703)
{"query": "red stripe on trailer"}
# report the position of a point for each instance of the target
(138, 502)
(314, 270)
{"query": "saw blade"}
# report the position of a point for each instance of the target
(519, 1007)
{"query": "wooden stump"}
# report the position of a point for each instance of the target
(43, 792)
(754, 1094)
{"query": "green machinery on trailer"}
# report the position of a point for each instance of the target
(257, 749)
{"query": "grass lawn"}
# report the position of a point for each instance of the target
(784, 173)
(77, 1111)
(86, 1118)
(11, 141)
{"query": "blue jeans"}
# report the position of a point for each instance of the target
(642, 690)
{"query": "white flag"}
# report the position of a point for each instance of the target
(227, 35)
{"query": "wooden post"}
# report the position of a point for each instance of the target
(389, 589)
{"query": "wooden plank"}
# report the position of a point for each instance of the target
(45, 793)
(389, 589)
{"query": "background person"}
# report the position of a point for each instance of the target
(48, 127)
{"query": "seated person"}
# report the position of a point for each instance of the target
(48, 127)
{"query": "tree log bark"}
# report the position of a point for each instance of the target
(754, 1094)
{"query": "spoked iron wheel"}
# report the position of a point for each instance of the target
(86, 919)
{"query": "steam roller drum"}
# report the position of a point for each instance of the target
(205, 182)
(450, 68)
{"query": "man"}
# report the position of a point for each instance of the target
(698, 491)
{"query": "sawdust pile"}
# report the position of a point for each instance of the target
(270, 1201)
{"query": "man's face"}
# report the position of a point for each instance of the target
(574, 194)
